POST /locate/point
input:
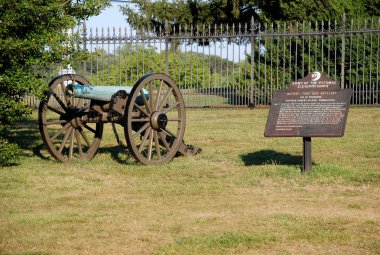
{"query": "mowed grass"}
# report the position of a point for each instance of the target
(244, 194)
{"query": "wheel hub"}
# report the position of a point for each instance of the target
(158, 120)
(75, 122)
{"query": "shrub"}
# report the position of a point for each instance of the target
(9, 153)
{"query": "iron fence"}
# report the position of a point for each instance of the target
(238, 65)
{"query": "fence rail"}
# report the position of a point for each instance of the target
(238, 65)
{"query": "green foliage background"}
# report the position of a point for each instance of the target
(144, 13)
(33, 36)
(131, 61)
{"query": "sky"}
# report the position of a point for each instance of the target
(110, 17)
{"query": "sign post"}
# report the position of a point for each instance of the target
(313, 106)
(306, 155)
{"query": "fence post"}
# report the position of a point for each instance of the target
(167, 47)
(343, 50)
(84, 46)
(252, 102)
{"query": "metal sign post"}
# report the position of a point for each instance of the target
(306, 155)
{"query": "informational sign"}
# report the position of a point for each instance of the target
(313, 106)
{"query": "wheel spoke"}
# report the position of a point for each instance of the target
(146, 135)
(90, 128)
(157, 144)
(53, 122)
(169, 132)
(67, 133)
(68, 103)
(54, 110)
(174, 119)
(150, 145)
(170, 107)
(77, 136)
(146, 125)
(62, 104)
(158, 95)
(165, 99)
(60, 131)
(151, 97)
(145, 101)
(163, 140)
(71, 151)
(84, 137)
(141, 110)
(140, 120)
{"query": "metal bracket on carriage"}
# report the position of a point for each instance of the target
(188, 149)
(119, 101)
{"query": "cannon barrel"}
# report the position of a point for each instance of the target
(100, 93)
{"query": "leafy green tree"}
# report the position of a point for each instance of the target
(301, 10)
(125, 66)
(188, 69)
(33, 35)
(149, 13)
(143, 13)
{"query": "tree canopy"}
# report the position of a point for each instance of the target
(301, 10)
(33, 35)
(145, 13)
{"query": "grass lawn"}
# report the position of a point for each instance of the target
(243, 194)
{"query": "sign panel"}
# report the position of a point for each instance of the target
(313, 106)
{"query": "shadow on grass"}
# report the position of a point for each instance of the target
(264, 157)
(119, 154)
(27, 136)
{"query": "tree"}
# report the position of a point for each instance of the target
(33, 35)
(148, 13)
(301, 10)
(130, 62)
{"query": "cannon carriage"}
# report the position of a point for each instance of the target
(152, 113)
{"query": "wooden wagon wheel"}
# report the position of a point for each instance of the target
(63, 130)
(155, 122)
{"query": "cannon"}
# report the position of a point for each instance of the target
(152, 113)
